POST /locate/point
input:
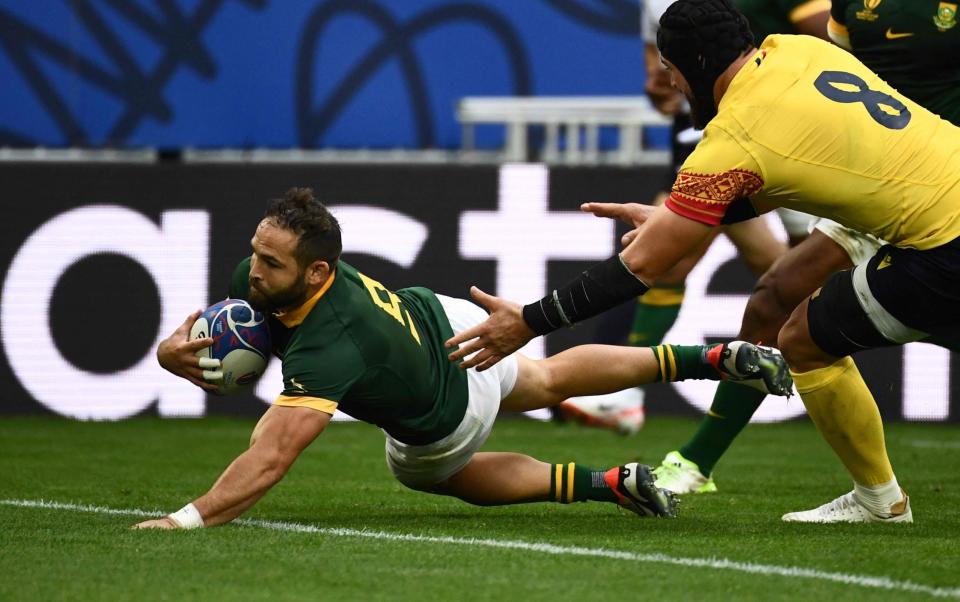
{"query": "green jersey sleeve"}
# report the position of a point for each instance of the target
(320, 376)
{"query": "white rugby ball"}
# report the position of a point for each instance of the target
(241, 341)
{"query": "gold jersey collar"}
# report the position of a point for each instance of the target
(295, 317)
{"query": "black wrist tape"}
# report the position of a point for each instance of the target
(596, 290)
(542, 316)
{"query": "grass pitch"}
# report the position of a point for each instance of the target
(362, 536)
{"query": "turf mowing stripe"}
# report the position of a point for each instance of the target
(545, 548)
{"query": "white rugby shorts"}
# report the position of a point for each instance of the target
(796, 224)
(859, 246)
(423, 466)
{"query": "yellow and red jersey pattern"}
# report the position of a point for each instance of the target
(807, 126)
(704, 197)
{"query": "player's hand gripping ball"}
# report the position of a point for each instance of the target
(241, 341)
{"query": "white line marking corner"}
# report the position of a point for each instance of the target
(867, 581)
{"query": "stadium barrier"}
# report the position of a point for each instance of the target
(100, 260)
(577, 116)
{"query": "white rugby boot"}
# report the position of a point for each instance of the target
(679, 475)
(848, 509)
(621, 411)
(633, 485)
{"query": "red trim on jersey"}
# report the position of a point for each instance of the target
(687, 210)
(705, 198)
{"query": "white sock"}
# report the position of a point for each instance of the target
(879, 498)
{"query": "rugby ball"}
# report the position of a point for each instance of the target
(241, 341)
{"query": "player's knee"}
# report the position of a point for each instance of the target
(788, 341)
(794, 342)
(534, 388)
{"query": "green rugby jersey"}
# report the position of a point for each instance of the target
(912, 44)
(768, 17)
(375, 354)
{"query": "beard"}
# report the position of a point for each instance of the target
(292, 296)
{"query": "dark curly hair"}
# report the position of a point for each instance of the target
(319, 232)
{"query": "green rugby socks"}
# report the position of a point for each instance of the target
(571, 483)
(683, 362)
(732, 407)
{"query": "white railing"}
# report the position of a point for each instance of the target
(578, 117)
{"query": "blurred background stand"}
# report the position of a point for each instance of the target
(571, 127)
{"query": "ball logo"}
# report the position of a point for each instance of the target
(241, 341)
(236, 325)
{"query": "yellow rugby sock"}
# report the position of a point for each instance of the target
(842, 407)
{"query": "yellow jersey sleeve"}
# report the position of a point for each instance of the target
(316, 403)
(717, 173)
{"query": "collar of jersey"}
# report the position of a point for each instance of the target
(744, 74)
(295, 317)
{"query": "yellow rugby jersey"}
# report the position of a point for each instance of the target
(807, 126)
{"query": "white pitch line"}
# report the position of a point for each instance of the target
(545, 548)
(932, 444)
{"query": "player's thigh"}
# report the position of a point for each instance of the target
(791, 279)
(920, 289)
(804, 268)
(427, 467)
(899, 296)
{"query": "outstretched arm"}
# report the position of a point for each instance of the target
(282, 433)
(632, 214)
(663, 240)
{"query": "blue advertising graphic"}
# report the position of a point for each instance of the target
(305, 73)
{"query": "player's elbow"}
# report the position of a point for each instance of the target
(641, 266)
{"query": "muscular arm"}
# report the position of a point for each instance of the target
(662, 241)
(665, 239)
(278, 439)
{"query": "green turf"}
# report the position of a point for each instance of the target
(342, 481)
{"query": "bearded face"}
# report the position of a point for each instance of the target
(277, 281)
(266, 300)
